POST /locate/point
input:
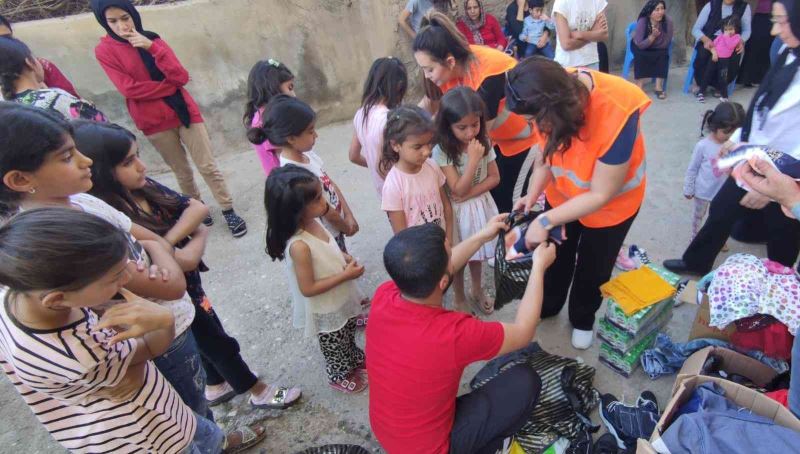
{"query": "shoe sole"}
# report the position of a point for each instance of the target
(612, 431)
(239, 234)
(222, 399)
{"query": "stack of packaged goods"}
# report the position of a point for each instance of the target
(638, 305)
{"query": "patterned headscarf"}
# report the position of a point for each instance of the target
(475, 26)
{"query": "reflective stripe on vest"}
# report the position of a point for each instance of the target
(633, 183)
(500, 120)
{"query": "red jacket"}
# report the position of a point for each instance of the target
(491, 32)
(54, 78)
(144, 96)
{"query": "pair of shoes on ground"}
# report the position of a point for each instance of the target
(631, 258)
(236, 225)
(626, 423)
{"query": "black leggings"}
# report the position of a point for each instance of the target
(783, 233)
(515, 171)
(219, 352)
(704, 57)
(583, 262)
(495, 411)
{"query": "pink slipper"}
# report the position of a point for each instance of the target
(354, 383)
(624, 262)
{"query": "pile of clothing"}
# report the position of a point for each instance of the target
(638, 304)
(761, 298)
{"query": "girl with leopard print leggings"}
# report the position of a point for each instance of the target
(326, 299)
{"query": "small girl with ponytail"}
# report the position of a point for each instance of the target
(703, 180)
(414, 190)
(267, 79)
(289, 125)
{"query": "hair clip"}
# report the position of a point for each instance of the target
(274, 63)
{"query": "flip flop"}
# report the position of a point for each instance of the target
(224, 397)
(249, 438)
(278, 398)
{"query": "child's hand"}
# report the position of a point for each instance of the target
(714, 57)
(727, 147)
(543, 40)
(353, 270)
(475, 150)
(688, 197)
(347, 257)
(135, 318)
(655, 33)
(543, 256)
(154, 272)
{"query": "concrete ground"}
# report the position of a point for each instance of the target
(250, 293)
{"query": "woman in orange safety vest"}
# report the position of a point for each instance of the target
(591, 166)
(448, 61)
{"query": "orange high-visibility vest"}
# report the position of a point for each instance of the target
(612, 101)
(510, 132)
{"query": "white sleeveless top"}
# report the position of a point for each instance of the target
(331, 310)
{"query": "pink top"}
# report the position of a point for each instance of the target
(417, 195)
(725, 45)
(370, 136)
(267, 153)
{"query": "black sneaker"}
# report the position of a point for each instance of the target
(627, 424)
(606, 444)
(648, 401)
(208, 221)
(236, 225)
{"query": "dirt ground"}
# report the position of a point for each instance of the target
(251, 296)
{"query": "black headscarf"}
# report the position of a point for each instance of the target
(175, 101)
(779, 77)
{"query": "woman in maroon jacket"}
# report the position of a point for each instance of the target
(480, 27)
(151, 78)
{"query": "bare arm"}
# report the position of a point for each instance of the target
(490, 182)
(598, 32)
(189, 256)
(464, 250)
(539, 180)
(566, 38)
(521, 5)
(304, 270)
(518, 334)
(355, 152)
(349, 218)
(404, 24)
(171, 289)
(191, 218)
(448, 214)
(398, 221)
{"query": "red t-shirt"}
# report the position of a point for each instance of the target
(415, 358)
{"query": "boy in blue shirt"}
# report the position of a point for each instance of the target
(536, 31)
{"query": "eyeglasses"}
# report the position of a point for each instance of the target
(780, 19)
(514, 95)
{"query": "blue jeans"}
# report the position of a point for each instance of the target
(208, 438)
(794, 383)
(546, 51)
(183, 369)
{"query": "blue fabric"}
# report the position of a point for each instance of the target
(721, 426)
(532, 30)
(182, 368)
(546, 51)
(794, 383)
(208, 438)
(666, 357)
(796, 211)
(622, 148)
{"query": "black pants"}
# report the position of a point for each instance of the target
(219, 352)
(783, 241)
(716, 73)
(583, 262)
(702, 60)
(514, 171)
(495, 411)
(602, 55)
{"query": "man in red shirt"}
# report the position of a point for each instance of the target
(417, 350)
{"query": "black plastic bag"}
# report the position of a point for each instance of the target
(511, 276)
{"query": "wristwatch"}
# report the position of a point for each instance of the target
(545, 222)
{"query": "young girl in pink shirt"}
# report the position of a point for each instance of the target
(414, 190)
(267, 78)
(717, 69)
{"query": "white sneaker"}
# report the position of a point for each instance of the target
(582, 339)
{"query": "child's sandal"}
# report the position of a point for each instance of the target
(361, 320)
(250, 436)
(354, 383)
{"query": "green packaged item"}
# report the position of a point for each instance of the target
(665, 274)
(559, 447)
(634, 323)
(622, 341)
(625, 364)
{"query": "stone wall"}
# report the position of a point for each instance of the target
(328, 44)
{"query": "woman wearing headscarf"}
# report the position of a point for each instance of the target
(590, 164)
(151, 78)
(480, 27)
(650, 44)
(773, 120)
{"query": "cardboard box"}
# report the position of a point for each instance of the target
(700, 328)
(688, 380)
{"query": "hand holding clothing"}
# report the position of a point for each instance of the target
(768, 181)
